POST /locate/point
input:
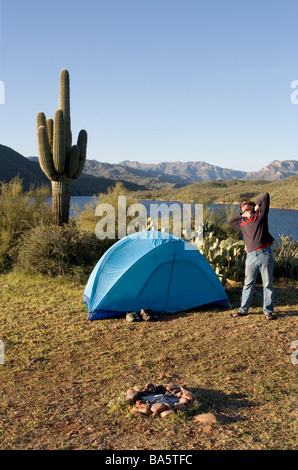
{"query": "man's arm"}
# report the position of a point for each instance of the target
(235, 221)
(263, 203)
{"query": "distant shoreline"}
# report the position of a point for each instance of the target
(216, 202)
(190, 201)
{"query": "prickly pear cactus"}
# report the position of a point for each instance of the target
(58, 158)
(227, 257)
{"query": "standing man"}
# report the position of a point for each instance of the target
(253, 223)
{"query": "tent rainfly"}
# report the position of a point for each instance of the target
(154, 270)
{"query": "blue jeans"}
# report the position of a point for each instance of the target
(258, 261)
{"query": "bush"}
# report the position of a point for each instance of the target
(19, 213)
(227, 257)
(87, 219)
(54, 250)
(215, 222)
(286, 258)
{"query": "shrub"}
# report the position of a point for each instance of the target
(286, 258)
(215, 222)
(19, 213)
(55, 250)
(87, 218)
(227, 257)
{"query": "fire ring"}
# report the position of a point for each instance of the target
(157, 399)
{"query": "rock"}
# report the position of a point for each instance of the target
(132, 396)
(150, 388)
(166, 413)
(159, 389)
(183, 400)
(188, 396)
(179, 406)
(141, 407)
(138, 411)
(205, 418)
(158, 407)
(141, 404)
(145, 409)
(207, 428)
(174, 388)
(209, 418)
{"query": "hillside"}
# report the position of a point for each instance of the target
(283, 193)
(88, 185)
(14, 164)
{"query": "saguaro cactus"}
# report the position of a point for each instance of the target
(58, 158)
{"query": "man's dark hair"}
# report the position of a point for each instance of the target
(251, 203)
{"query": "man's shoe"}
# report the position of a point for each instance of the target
(269, 316)
(238, 314)
(133, 316)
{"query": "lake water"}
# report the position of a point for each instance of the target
(281, 221)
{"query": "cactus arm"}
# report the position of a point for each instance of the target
(45, 157)
(64, 104)
(82, 144)
(41, 120)
(50, 129)
(73, 161)
(59, 154)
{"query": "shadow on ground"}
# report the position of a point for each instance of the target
(225, 405)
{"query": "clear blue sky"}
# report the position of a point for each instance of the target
(156, 80)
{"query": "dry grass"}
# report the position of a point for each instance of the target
(64, 377)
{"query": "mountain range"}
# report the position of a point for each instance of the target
(98, 176)
(180, 174)
(14, 164)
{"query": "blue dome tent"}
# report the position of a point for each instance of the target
(153, 270)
